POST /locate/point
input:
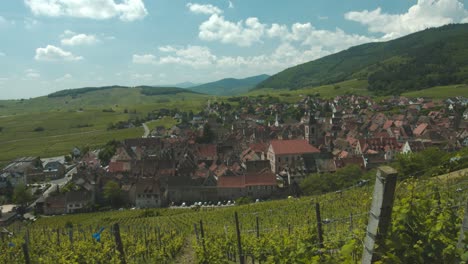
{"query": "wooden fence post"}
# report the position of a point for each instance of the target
(319, 225)
(27, 260)
(202, 233)
(258, 229)
(380, 213)
(239, 243)
(118, 242)
(464, 228)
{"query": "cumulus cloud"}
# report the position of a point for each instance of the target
(424, 14)
(2, 54)
(126, 10)
(32, 74)
(200, 57)
(52, 53)
(65, 77)
(69, 38)
(240, 33)
(144, 59)
(194, 56)
(231, 5)
(203, 9)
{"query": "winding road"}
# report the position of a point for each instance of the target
(147, 131)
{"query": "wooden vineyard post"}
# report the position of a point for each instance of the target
(196, 232)
(319, 225)
(464, 228)
(380, 213)
(239, 243)
(118, 242)
(27, 260)
(202, 233)
(258, 230)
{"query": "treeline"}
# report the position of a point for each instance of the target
(149, 90)
(80, 91)
(432, 57)
(421, 71)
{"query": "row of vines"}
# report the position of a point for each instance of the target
(425, 228)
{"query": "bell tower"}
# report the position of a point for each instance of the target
(311, 131)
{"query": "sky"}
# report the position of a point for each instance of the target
(51, 45)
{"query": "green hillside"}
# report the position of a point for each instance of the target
(230, 86)
(433, 57)
(81, 118)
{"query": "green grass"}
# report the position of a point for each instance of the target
(325, 91)
(441, 92)
(167, 122)
(66, 126)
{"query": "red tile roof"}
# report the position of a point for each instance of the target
(207, 150)
(420, 129)
(294, 146)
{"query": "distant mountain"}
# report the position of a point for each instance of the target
(230, 86)
(432, 57)
(186, 84)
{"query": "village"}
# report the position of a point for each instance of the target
(258, 148)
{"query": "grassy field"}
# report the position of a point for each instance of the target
(166, 122)
(359, 87)
(441, 91)
(80, 121)
(325, 91)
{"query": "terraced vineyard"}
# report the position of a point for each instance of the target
(426, 212)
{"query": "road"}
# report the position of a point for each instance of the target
(147, 131)
(53, 186)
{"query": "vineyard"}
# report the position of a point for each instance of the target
(425, 227)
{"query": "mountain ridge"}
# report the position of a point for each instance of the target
(230, 86)
(390, 67)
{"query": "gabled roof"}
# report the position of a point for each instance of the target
(293, 146)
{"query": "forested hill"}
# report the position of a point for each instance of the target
(230, 86)
(145, 90)
(432, 57)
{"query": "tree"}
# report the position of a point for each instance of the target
(106, 153)
(208, 135)
(21, 194)
(113, 194)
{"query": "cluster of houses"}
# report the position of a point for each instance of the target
(252, 156)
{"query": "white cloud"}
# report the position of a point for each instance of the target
(240, 33)
(52, 53)
(2, 54)
(167, 48)
(231, 5)
(64, 78)
(194, 56)
(200, 57)
(30, 23)
(78, 39)
(203, 9)
(144, 59)
(32, 74)
(322, 17)
(424, 14)
(126, 10)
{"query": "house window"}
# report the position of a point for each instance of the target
(77, 205)
(287, 159)
(279, 159)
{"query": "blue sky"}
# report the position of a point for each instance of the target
(50, 45)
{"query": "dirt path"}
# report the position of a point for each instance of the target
(187, 253)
